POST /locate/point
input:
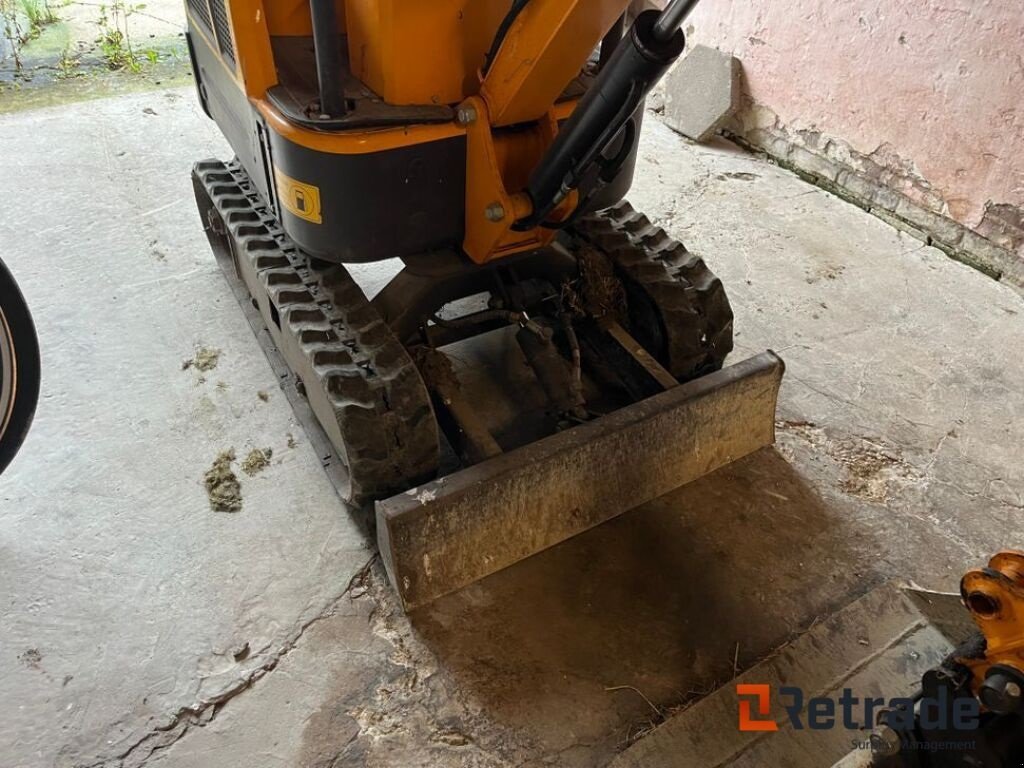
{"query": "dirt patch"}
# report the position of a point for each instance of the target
(257, 461)
(825, 272)
(436, 369)
(222, 486)
(796, 424)
(206, 359)
(291, 440)
(739, 176)
(597, 292)
(871, 469)
(263, 396)
(31, 658)
(399, 701)
(156, 252)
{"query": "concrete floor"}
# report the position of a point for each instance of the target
(139, 627)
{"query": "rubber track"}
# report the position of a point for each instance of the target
(361, 383)
(696, 319)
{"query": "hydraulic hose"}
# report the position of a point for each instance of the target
(636, 64)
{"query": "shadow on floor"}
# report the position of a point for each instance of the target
(651, 605)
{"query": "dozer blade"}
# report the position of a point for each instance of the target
(446, 534)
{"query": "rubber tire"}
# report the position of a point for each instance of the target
(25, 346)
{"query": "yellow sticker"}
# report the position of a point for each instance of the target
(303, 200)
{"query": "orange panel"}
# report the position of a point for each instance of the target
(543, 51)
(421, 51)
(252, 47)
(290, 18)
(355, 142)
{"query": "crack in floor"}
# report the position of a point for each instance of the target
(419, 703)
(202, 714)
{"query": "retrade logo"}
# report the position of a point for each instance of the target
(946, 711)
(755, 707)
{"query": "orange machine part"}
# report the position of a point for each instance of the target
(355, 142)
(290, 18)
(488, 236)
(995, 598)
(543, 51)
(396, 47)
(421, 51)
(496, 162)
(252, 47)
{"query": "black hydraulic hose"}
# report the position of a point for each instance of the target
(671, 19)
(636, 64)
(503, 28)
(328, 57)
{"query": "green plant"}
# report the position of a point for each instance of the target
(11, 29)
(38, 14)
(67, 65)
(115, 35)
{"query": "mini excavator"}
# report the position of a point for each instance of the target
(486, 146)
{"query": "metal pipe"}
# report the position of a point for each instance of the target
(672, 19)
(328, 57)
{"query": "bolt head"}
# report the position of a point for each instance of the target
(495, 212)
(465, 115)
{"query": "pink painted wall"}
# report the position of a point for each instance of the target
(939, 81)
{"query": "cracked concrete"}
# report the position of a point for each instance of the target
(137, 598)
(205, 710)
(140, 628)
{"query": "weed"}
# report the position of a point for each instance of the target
(67, 65)
(38, 14)
(11, 29)
(115, 36)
